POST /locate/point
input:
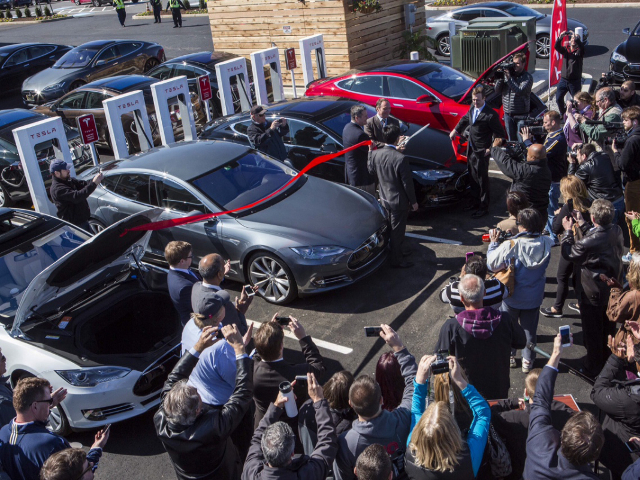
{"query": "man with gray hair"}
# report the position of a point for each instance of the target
(355, 161)
(272, 448)
(198, 439)
(598, 252)
(481, 338)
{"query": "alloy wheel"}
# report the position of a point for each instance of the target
(272, 277)
(444, 46)
(543, 46)
(96, 226)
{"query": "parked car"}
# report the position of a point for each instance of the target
(7, 4)
(315, 128)
(425, 93)
(96, 3)
(84, 314)
(625, 58)
(13, 183)
(438, 27)
(89, 98)
(294, 244)
(22, 60)
(195, 65)
(89, 62)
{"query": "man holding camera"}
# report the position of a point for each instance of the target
(608, 111)
(515, 88)
(628, 160)
(265, 136)
(555, 144)
(571, 75)
(483, 124)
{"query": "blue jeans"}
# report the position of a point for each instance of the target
(564, 86)
(554, 198)
(618, 206)
(529, 322)
(511, 126)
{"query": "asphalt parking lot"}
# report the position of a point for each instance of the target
(405, 299)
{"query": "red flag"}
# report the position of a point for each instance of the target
(558, 25)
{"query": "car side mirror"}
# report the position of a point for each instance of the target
(626, 31)
(195, 212)
(426, 100)
(101, 63)
(329, 148)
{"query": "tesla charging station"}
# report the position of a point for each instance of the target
(27, 138)
(269, 57)
(225, 71)
(114, 109)
(308, 46)
(177, 87)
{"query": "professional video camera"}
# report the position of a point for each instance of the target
(502, 236)
(516, 150)
(533, 123)
(616, 129)
(506, 66)
(606, 80)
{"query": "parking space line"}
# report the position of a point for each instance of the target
(433, 239)
(320, 343)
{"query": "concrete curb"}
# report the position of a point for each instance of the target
(550, 6)
(142, 17)
(35, 21)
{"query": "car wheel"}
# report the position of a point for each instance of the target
(543, 46)
(5, 198)
(96, 226)
(76, 84)
(96, 3)
(152, 62)
(443, 45)
(58, 422)
(273, 276)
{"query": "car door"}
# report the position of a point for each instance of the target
(178, 202)
(403, 95)
(128, 195)
(131, 58)
(106, 64)
(42, 56)
(16, 69)
(364, 88)
(71, 107)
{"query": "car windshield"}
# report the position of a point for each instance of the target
(337, 122)
(447, 81)
(522, 11)
(244, 181)
(78, 57)
(21, 265)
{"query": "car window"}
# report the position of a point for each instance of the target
(403, 88)
(187, 70)
(128, 47)
(337, 123)
(163, 72)
(346, 84)
(41, 50)
(493, 13)
(302, 134)
(241, 127)
(467, 15)
(95, 99)
(18, 58)
(134, 187)
(73, 101)
(110, 182)
(175, 197)
(109, 54)
(368, 85)
(447, 81)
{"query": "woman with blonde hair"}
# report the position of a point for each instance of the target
(436, 447)
(576, 202)
(586, 107)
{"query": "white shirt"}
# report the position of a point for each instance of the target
(476, 112)
(383, 121)
(190, 335)
(184, 270)
(212, 287)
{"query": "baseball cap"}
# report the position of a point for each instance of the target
(211, 306)
(258, 109)
(58, 166)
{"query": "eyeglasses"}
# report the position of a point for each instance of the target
(91, 467)
(49, 401)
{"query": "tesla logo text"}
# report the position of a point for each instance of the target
(316, 43)
(128, 104)
(174, 89)
(235, 69)
(43, 133)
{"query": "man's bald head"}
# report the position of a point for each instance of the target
(536, 152)
(210, 267)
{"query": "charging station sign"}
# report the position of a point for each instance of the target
(291, 58)
(204, 87)
(88, 129)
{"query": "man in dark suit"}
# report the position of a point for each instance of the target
(375, 124)
(484, 124)
(180, 279)
(213, 269)
(397, 194)
(355, 161)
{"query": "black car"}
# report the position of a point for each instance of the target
(13, 183)
(18, 62)
(315, 129)
(89, 62)
(198, 64)
(625, 59)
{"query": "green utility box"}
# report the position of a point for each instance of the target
(527, 25)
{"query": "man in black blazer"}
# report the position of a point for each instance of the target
(355, 161)
(483, 123)
(375, 124)
(397, 193)
(180, 278)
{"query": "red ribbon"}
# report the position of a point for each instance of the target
(206, 216)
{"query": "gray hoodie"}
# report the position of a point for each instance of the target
(389, 429)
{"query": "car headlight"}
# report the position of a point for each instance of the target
(616, 57)
(55, 86)
(90, 377)
(434, 174)
(317, 253)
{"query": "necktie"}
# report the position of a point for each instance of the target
(475, 114)
(383, 122)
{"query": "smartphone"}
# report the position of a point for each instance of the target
(372, 331)
(106, 429)
(469, 255)
(248, 290)
(632, 446)
(284, 321)
(219, 332)
(301, 378)
(565, 336)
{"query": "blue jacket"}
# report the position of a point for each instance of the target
(180, 285)
(632, 472)
(27, 446)
(479, 430)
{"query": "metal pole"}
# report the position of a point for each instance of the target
(293, 82)
(208, 110)
(452, 33)
(94, 154)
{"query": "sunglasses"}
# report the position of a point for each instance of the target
(49, 401)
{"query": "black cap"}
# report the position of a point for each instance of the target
(211, 306)
(258, 109)
(58, 166)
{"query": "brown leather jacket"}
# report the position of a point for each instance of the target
(623, 306)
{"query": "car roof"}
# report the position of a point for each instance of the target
(193, 158)
(13, 115)
(98, 43)
(498, 5)
(16, 46)
(204, 58)
(305, 107)
(121, 83)
(413, 68)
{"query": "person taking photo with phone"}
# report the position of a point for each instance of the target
(265, 135)
(571, 75)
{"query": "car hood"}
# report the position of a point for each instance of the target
(107, 249)
(320, 213)
(630, 48)
(489, 73)
(50, 76)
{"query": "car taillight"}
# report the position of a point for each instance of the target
(161, 56)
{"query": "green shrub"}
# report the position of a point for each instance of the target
(186, 4)
(18, 13)
(47, 12)
(1, 14)
(27, 12)
(38, 12)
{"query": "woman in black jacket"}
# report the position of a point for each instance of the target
(576, 197)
